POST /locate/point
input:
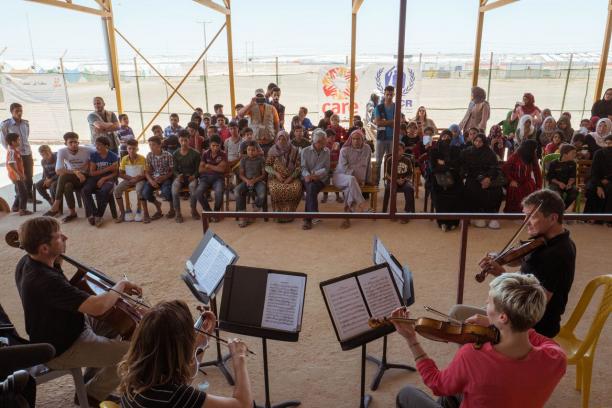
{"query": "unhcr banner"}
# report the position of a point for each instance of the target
(334, 87)
(44, 101)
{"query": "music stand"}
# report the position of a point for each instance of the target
(204, 275)
(253, 299)
(403, 279)
(351, 300)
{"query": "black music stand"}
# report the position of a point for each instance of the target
(363, 334)
(208, 295)
(403, 278)
(243, 311)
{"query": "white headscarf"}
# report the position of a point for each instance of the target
(520, 129)
(599, 137)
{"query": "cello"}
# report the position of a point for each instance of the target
(125, 314)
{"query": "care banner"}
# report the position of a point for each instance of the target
(334, 87)
(44, 103)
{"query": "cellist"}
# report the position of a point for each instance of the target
(521, 370)
(553, 264)
(58, 313)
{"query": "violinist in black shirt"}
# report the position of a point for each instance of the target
(553, 263)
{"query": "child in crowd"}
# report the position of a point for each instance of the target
(411, 138)
(341, 134)
(222, 129)
(232, 145)
(582, 150)
(212, 175)
(157, 131)
(159, 176)
(561, 175)
(471, 134)
(555, 143)
(253, 176)
(247, 136)
(334, 156)
(211, 131)
(49, 177)
(186, 164)
(174, 127)
(132, 170)
(103, 165)
(297, 137)
(124, 133)
(14, 165)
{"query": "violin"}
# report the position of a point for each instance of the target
(444, 331)
(511, 253)
(127, 312)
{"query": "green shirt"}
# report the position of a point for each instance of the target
(186, 165)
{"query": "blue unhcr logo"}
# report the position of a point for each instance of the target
(390, 78)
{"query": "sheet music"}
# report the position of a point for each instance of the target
(210, 266)
(382, 255)
(379, 291)
(283, 304)
(347, 308)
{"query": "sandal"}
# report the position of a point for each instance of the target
(157, 216)
(51, 213)
(69, 218)
(146, 220)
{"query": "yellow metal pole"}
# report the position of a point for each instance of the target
(603, 61)
(230, 59)
(152, 67)
(476, 67)
(353, 73)
(181, 83)
(110, 28)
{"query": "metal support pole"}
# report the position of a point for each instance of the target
(138, 90)
(569, 70)
(399, 85)
(276, 62)
(489, 82)
(476, 67)
(353, 73)
(112, 45)
(603, 61)
(230, 60)
(66, 91)
(182, 82)
(465, 224)
(586, 92)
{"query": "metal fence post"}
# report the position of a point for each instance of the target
(586, 92)
(277, 71)
(138, 90)
(569, 69)
(66, 92)
(489, 81)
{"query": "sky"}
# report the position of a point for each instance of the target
(304, 27)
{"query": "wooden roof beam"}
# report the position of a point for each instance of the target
(214, 6)
(497, 4)
(71, 6)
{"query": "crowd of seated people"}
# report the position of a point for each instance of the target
(257, 153)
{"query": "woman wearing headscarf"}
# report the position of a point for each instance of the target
(444, 179)
(478, 112)
(529, 108)
(456, 135)
(422, 121)
(525, 130)
(523, 175)
(481, 170)
(498, 142)
(602, 129)
(599, 188)
(603, 107)
(545, 134)
(352, 172)
(565, 126)
(283, 168)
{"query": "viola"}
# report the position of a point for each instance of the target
(127, 312)
(444, 331)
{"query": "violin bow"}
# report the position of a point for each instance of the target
(521, 228)
(450, 319)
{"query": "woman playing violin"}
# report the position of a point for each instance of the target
(553, 263)
(521, 370)
(59, 313)
(163, 359)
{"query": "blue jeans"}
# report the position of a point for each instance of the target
(312, 191)
(103, 195)
(206, 182)
(165, 188)
(241, 191)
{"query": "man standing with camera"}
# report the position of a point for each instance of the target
(264, 119)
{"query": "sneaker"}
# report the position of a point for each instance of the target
(129, 216)
(138, 217)
(243, 223)
(316, 220)
(494, 224)
(444, 227)
(120, 219)
(479, 223)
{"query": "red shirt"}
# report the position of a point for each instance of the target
(341, 134)
(215, 161)
(13, 157)
(224, 134)
(488, 379)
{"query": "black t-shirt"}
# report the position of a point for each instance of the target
(166, 396)
(561, 171)
(50, 304)
(553, 265)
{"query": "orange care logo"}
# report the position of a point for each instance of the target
(337, 83)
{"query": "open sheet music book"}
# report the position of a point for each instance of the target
(284, 302)
(208, 262)
(401, 274)
(354, 298)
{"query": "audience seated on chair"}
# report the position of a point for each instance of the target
(561, 175)
(599, 187)
(252, 176)
(404, 180)
(315, 161)
(49, 177)
(213, 164)
(283, 168)
(186, 167)
(132, 170)
(158, 177)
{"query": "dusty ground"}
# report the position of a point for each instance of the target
(315, 370)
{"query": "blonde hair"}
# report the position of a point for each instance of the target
(520, 297)
(161, 351)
